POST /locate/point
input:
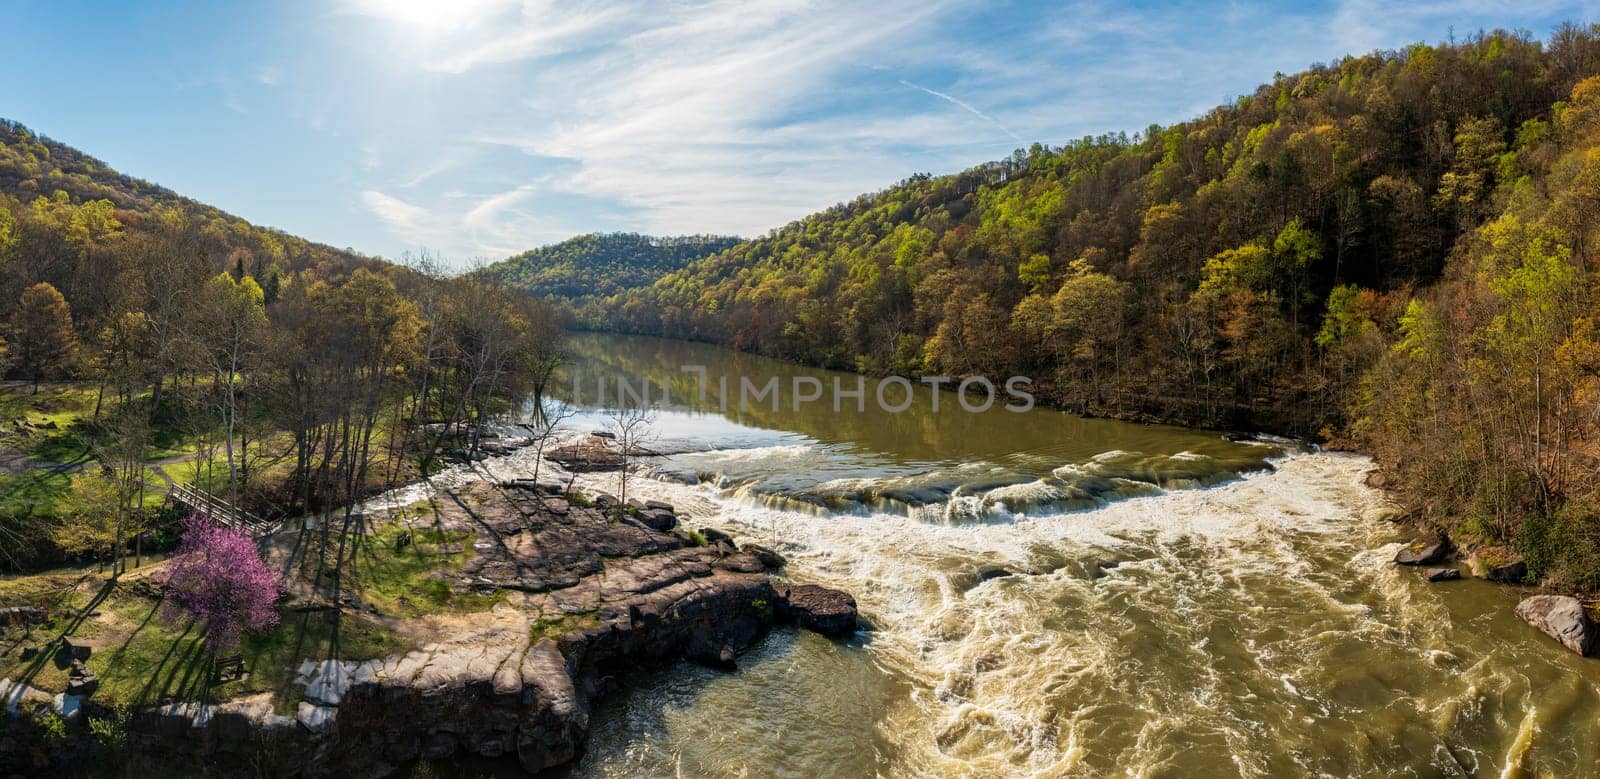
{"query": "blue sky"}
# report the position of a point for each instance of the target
(478, 128)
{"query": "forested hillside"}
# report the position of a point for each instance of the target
(1185, 273)
(599, 265)
(153, 339)
(1396, 246)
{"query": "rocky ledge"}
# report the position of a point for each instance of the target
(588, 592)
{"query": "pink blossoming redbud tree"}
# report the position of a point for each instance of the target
(218, 577)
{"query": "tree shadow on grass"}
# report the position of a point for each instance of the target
(51, 603)
(185, 655)
(52, 650)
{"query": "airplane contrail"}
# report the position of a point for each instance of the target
(964, 106)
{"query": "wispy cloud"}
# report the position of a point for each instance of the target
(411, 223)
(736, 117)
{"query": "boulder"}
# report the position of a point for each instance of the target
(1426, 550)
(75, 649)
(742, 562)
(714, 537)
(21, 615)
(1497, 564)
(988, 572)
(772, 560)
(1561, 617)
(829, 612)
(656, 504)
(658, 519)
(1441, 574)
(84, 685)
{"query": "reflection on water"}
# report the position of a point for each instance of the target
(863, 458)
(1180, 605)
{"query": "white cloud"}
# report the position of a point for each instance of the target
(412, 223)
(736, 117)
(689, 116)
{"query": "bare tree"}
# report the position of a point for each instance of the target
(546, 424)
(122, 457)
(632, 427)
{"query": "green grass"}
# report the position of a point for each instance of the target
(148, 654)
(558, 626)
(71, 407)
(36, 493)
(416, 578)
(62, 404)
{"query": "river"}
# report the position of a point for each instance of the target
(1180, 604)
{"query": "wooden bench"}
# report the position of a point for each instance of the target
(230, 668)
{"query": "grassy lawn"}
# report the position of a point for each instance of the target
(144, 653)
(163, 655)
(35, 493)
(61, 403)
(408, 580)
(69, 407)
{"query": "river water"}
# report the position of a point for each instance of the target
(1180, 604)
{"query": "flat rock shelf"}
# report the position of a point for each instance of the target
(578, 592)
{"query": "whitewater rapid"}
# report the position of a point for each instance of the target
(1250, 626)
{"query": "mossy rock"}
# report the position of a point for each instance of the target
(1497, 564)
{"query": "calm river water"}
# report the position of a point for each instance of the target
(1181, 605)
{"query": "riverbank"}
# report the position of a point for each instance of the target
(1570, 617)
(485, 621)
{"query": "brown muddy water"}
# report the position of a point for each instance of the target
(1181, 605)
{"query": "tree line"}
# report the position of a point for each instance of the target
(592, 267)
(286, 376)
(1393, 250)
(1183, 273)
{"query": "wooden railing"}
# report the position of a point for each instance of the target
(201, 502)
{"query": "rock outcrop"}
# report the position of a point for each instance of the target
(1497, 564)
(1561, 617)
(1441, 574)
(586, 593)
(1426, 550)
(829, 612)
(598, 451)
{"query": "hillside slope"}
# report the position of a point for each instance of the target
(1184, 273)
(602, 264)
(252, 363)
(57, 200)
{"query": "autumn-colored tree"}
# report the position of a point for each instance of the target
(44, 341)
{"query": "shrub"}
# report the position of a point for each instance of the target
(1563, 546)
(52, 728)
(110, 731)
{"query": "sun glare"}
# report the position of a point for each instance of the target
(428, 15)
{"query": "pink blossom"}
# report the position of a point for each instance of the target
(218, 577)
